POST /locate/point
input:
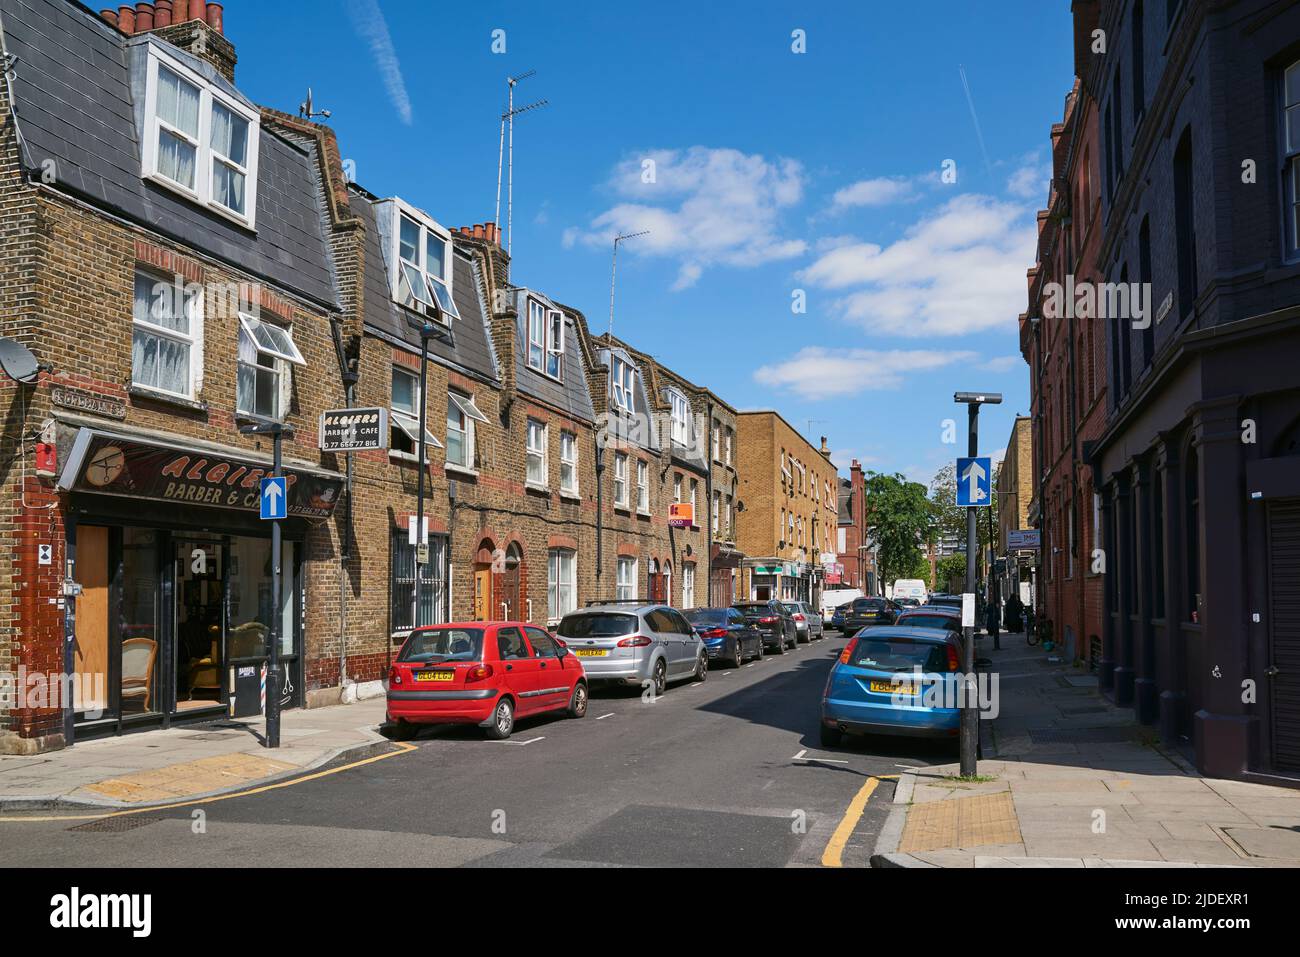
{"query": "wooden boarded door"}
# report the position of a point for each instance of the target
(483, 593)
(90, 654)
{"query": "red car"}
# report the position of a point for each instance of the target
(486, 673)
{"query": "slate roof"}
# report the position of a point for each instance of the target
(572, 394)
(75, 103)
(470, 350)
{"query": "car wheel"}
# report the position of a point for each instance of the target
(761, 650)
(831, 737)
(740, 653)
(701, 668)
(578, 701)
(659, 677)
(503, 721)
(780, 646)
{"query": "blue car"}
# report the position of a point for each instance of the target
(874, 687)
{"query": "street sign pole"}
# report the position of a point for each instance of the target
(274, 506)
(273, 655)
(969, 726)
(969, 715)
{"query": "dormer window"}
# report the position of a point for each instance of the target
(681, 418)
(200, 141)
(622, 381)
(545, 339)
(421, 254)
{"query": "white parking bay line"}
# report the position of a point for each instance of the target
(524, 744)
(801, 753)
(604, 716)
(817, 759)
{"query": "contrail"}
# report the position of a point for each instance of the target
(988, 167)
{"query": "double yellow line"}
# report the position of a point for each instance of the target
(398, 748)
(833, 856)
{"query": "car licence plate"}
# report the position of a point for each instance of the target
(888, 687)
(590, 652)
(434, 675)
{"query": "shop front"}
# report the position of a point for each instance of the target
(171, 603)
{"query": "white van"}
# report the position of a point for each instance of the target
(833, 598)
(910, 588)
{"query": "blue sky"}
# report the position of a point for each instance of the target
(773, 171)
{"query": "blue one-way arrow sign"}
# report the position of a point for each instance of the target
(974, 481)
(275, 498)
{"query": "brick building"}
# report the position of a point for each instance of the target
(790, 493)
(172, 298)
(1016, 490)
(852, 545)
(1062, 339)
(1198, 462)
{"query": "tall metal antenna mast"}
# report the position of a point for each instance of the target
(306, 111)
(613, 273)
(508, 118)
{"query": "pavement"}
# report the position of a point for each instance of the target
(1069, 780)
(190, 762)
(728, 772)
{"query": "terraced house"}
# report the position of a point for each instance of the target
(167, 260)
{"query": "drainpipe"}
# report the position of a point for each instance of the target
(600, 509)
(349, 375)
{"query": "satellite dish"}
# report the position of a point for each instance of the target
(17, 361)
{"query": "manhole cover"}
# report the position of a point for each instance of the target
(117, 823)
(1080, 735)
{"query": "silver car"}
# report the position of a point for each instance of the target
(634, 643)
(808, 624)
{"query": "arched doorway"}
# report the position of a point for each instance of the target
(483, 562)
(511, 600)
(655, 591)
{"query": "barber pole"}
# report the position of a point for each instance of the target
(263, 689)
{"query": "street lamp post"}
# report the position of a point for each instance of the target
(427, 331)
(969, 712)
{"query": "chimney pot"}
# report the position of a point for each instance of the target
(181, 11)
(126, 19)
(215, 17)
(143, 16)
(162, 14)
(110, 16)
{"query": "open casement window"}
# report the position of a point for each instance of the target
(536, 454)
(166, 339)
(265, 352)
(423, 257)
(545, 339)
(199, 141)
(622, 382)
(462, 414)
(568, 463)
(404, 417)
(681, 411)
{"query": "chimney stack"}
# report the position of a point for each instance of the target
(196, 27)
(490, 235)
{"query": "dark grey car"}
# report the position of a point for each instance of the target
(771, 618)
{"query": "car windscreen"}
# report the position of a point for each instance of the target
(597, 625)
(868, 604)
(443, 644)
(753, 609)
(706, 616)
(898, 654)
(929, 621)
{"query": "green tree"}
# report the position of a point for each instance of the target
(900, 521)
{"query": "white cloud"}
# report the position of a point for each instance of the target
(815, 372)
(960, 269)
(705, 207)
(1031, 179)
(880, 191)
(1003, 363)
(373, 28)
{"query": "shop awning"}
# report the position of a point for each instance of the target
(171, 469)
